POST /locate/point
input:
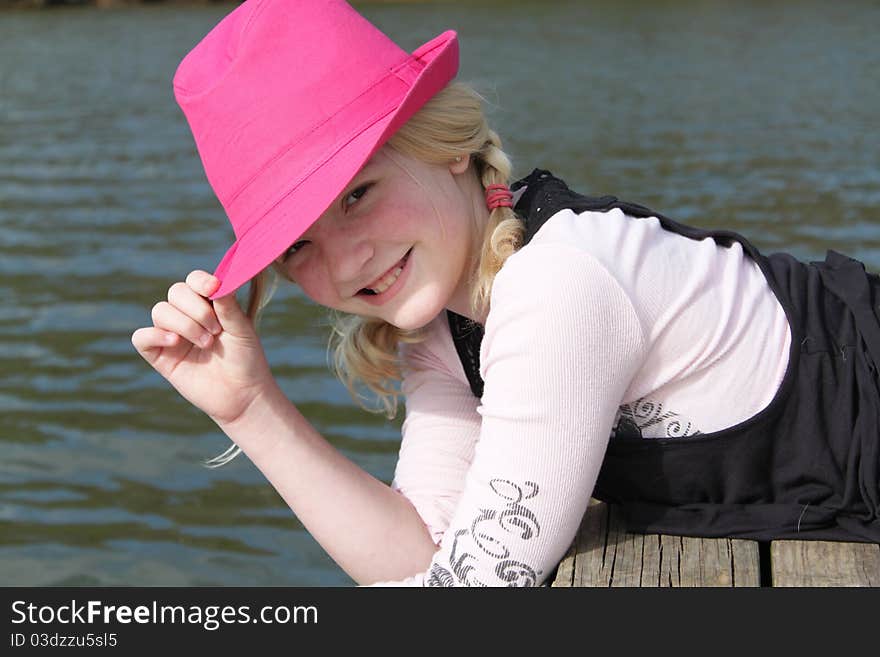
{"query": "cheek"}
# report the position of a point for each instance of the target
(412, 213)
(397, 217)
(312, 283)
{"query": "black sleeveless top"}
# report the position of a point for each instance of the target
(804, 467)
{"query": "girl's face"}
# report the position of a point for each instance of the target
(395, 244)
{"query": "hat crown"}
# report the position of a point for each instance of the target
(265, 62)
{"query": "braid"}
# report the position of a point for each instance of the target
(504, 231)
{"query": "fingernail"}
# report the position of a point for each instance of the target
(205, 340)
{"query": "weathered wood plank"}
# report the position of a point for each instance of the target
(603, 554)
(824, 563)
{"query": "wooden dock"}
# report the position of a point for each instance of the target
(604, 554)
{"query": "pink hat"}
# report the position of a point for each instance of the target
(287, 100)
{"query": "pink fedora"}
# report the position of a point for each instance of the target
(287, 100)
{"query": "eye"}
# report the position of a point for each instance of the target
(357, 194)
(296, 246)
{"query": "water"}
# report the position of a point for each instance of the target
(756, 117)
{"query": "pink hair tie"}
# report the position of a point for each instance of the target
(498, 196)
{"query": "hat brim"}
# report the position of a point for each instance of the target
(291, 217)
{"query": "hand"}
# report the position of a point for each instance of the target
(209, 351)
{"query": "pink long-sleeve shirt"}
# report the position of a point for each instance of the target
(600, 316)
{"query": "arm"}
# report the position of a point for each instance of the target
(439, 434)
(562, 344)
(371, 531)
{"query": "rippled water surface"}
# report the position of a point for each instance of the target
(759, 117)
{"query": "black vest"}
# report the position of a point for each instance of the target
(804, 467)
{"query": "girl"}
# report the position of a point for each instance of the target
(549, 346)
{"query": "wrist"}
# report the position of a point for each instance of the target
(263, 421)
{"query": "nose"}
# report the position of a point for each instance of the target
(347, 253)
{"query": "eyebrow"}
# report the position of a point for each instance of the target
(372, 164)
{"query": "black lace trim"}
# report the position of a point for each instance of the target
(467, 336)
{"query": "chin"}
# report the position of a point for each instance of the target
(417, 312)
(406, 322)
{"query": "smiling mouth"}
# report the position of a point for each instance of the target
(387, 280)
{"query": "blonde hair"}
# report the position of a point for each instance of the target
(365, 350)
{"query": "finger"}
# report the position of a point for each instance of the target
(202, 282)
(150, 341)
(187, 300)
(168, 317)
(230, 315)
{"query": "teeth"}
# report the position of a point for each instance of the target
(387, 282)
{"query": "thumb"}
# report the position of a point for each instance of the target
(231, 316)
